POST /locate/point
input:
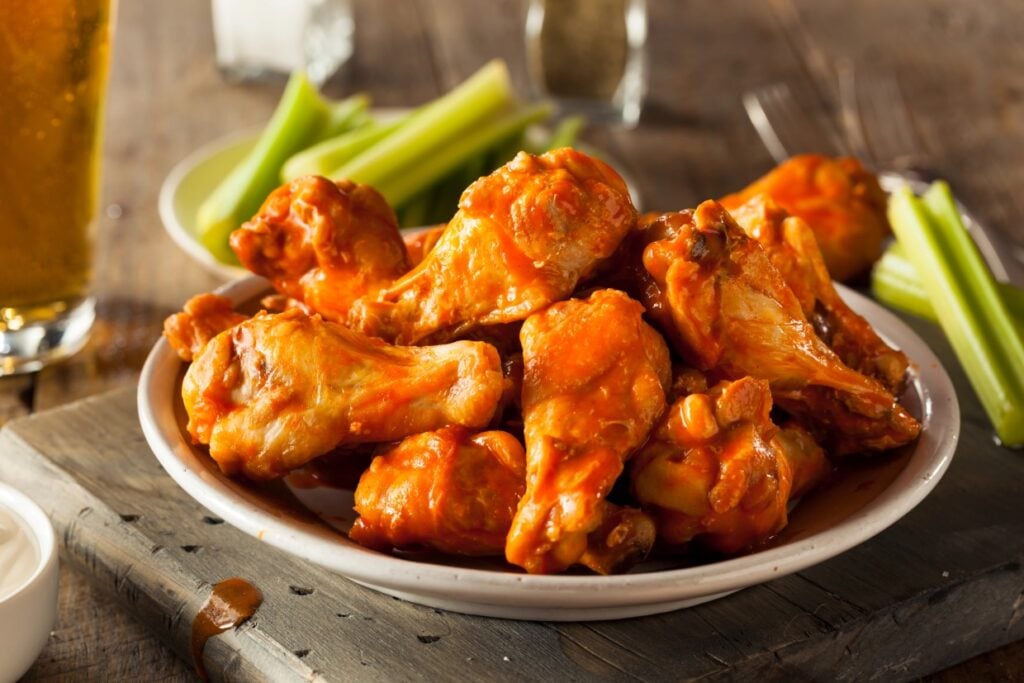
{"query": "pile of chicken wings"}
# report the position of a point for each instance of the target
(550, 377)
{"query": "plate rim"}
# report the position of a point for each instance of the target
(551, 593)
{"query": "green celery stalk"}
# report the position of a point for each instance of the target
(399, 187)
(301, 115)
(345, 115)
(895, 282)
(566, 133)
(433, 129)
(415, 212)
(966, 301)
(324, 157)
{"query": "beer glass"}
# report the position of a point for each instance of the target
(53, 72)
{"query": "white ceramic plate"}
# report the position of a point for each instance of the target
(190, 182)
(819, 528)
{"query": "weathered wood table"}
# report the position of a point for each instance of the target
(961, 65)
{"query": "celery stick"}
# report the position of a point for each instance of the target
(895, 282)
(399, 187)
(433, 128)
(894, 286)
(299, 116)
(566, 132)
(343, 116)
(965, 298)
(324, 157)
(415, 212)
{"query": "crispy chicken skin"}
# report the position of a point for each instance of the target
(728, 311)
(808, 464)
(711, 470)
(418, 244)
(790, 245)
(278, 390)
(522, 239)
(323, 243)
(841, 201)
(625, 537)
(203, 317)
(450, 489)
(594, 384)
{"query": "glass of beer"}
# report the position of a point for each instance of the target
(53, 72)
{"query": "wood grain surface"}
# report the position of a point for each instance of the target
(950, 573)
(961, 64)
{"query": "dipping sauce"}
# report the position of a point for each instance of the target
(19, 555)
(231, 603)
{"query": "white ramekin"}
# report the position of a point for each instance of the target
(27, 616)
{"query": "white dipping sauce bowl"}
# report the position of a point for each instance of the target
(27, 616)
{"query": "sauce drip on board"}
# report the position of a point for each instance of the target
(231, 603)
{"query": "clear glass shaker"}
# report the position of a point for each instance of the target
(589, 56)
(255, 38)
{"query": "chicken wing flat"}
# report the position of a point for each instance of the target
(728, 311)
(711, 470)
(450, 489)
(323, 243)
(841, 201)
(203, 317)
(792, 249)
(523, 238)
(278, 390)
(594, 384)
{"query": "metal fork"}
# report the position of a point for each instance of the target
(786, 126)
(879, 123)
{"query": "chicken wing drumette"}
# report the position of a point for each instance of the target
(711, 469)
(278, 390)
(792, 249)
(523, 238)
(728, 311)
(594, 383)
(203, 317)
(323, 243)
(841, 201)
(450, 489)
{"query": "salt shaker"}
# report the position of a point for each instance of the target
(255, 38)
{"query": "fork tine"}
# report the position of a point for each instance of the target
(885, 120)
(785, 126)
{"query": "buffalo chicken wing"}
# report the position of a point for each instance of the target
(594, 384)
(712, 471)
(323, 243)
(841, 201)
(449, 489)
(278, 390)
(203, 317)
(792, 249)
(522, 239)
(729, 312)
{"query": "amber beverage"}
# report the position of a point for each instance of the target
(53, 72)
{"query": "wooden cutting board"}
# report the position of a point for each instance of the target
(944, 584)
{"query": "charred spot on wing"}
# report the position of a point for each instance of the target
(699, 248)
